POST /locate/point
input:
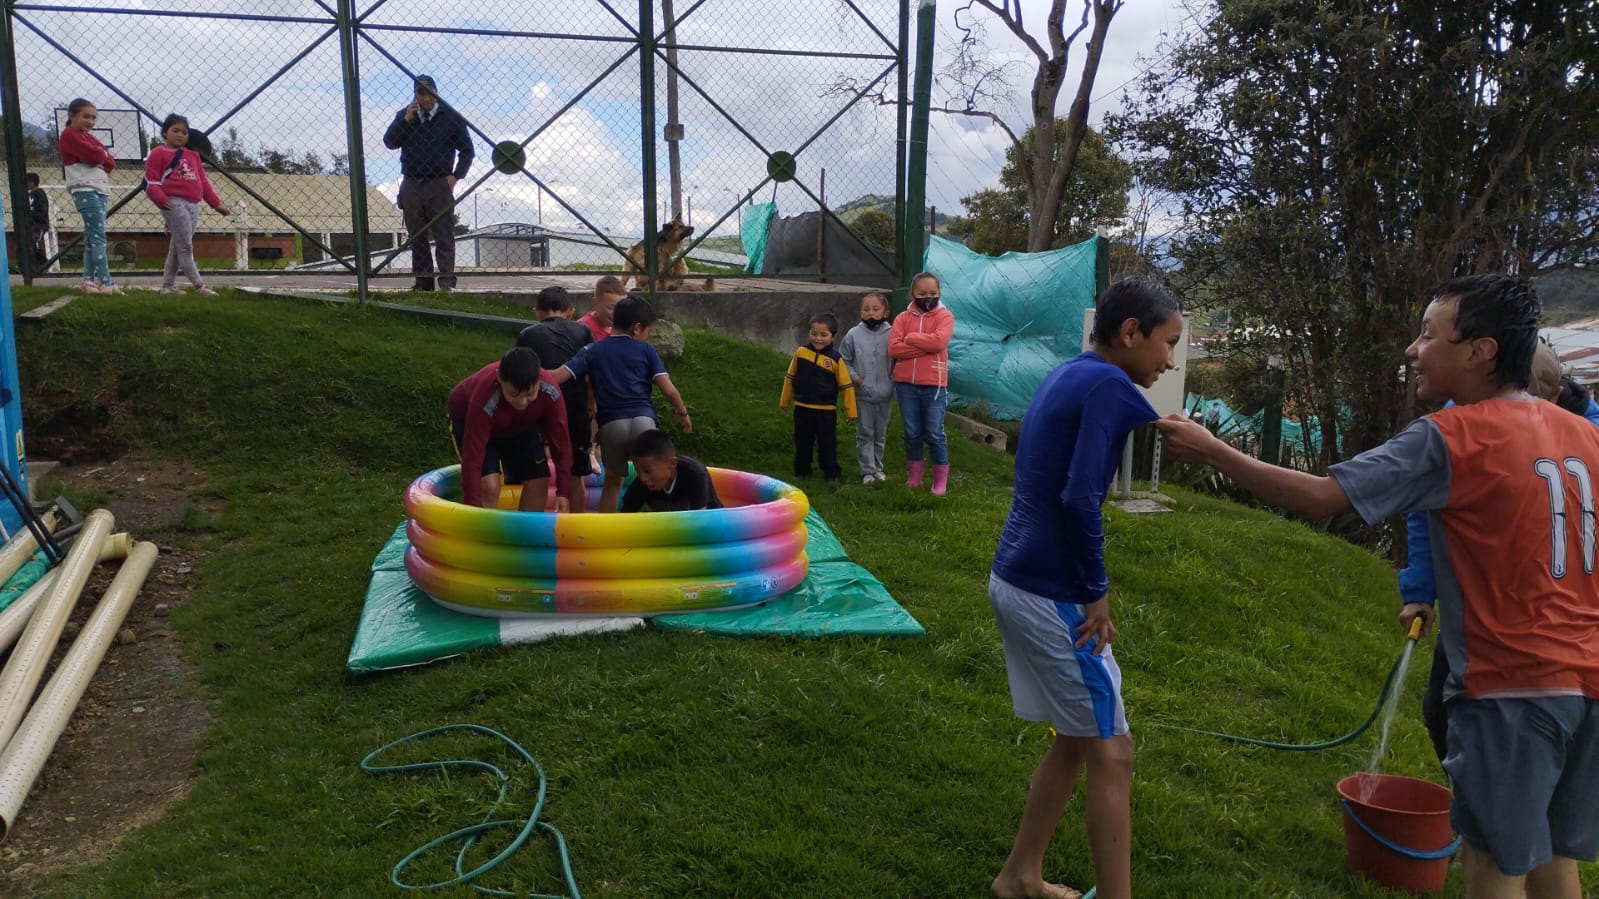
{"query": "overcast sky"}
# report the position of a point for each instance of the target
(510, 86)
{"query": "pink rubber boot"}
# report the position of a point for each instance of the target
(915, 478)
(940, 479)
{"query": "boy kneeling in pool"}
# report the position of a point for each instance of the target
(666, 482)
(501, 418)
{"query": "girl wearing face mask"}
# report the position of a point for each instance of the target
(865, 351)
(919, 346)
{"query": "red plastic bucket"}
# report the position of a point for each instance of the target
(1396, 830)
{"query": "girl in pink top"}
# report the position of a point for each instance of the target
(88, 166)
(177, 184)
(919, 346)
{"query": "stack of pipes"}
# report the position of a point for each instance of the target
(34, 623)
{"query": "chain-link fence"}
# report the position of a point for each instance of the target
(398, 139)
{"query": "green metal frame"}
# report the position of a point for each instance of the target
(351, 27)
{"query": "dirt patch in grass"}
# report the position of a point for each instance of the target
(129, 749)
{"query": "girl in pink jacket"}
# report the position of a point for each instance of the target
(919, 346)
(177, 183)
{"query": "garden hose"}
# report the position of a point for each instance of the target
(1382, 697)
(469, 835)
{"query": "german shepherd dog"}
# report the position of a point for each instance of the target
(668, 244)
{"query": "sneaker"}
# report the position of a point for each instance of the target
(868, 479)
(110, 288)
(880, 477)
(205, 291)
(90, 287)
(172, 291)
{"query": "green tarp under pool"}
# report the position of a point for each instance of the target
(401, 627)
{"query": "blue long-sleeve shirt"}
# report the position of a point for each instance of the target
(1053, 543)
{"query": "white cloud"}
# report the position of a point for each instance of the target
(510, 86)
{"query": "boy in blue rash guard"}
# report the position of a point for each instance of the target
(1050, 593)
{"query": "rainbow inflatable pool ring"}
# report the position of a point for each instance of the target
(508, 564)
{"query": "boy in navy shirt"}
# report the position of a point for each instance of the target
(621, 369)
(667, 482)
(556, 338)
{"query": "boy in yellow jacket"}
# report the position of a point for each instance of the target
(816, 380)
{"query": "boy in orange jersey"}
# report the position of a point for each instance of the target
(1508, 480)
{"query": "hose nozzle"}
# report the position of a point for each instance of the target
(1415, 628)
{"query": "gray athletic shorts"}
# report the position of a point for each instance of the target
(616, 436)
(1526, 778)
(1051, 680)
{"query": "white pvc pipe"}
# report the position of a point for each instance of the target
(25, 755)
(21, 547)
(26, 666)
(14, 618)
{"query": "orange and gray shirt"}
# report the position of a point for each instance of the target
(1509, 487)
(818, 380)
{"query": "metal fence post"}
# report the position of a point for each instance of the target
(350, 66)
(901, 54)
(916, 167)
(646, 36)
(16, 152)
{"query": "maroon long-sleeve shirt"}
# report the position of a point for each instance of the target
(478, 403)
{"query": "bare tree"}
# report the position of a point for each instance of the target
(979, 86)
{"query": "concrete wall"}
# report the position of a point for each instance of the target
(776, 320)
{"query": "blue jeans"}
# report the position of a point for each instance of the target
(92, 205)
(921, 410)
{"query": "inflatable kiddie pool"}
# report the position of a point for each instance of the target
(508, 564)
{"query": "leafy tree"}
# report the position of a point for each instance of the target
(1334, 161)
(978, 85)
(231, 152)
(876, 226)
(1095, 199)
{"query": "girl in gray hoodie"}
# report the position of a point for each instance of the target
(865, 350)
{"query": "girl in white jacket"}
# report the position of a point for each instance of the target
(865, 351)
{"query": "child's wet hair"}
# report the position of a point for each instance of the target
(632, 311)
(828, 319)
(78, 105)
(554, 299)
(1137, 298)
(878, 296)
(652, 444)
(1503, 307)
(519, 367)
(920, 276)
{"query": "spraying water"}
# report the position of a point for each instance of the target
(1390, 708)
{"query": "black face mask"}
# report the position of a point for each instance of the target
(926, 304)
(873, 323)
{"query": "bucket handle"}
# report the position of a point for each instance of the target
(1391, 846)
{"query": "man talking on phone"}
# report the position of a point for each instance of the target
(435, 152)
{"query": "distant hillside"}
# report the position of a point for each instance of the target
(1568, 294)
(855, 207)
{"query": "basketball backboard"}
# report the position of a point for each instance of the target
(119, 129)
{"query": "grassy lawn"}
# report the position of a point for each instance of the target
(684, 765)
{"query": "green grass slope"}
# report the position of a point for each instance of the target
(683, 765)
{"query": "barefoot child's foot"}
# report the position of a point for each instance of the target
(1008, 888)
